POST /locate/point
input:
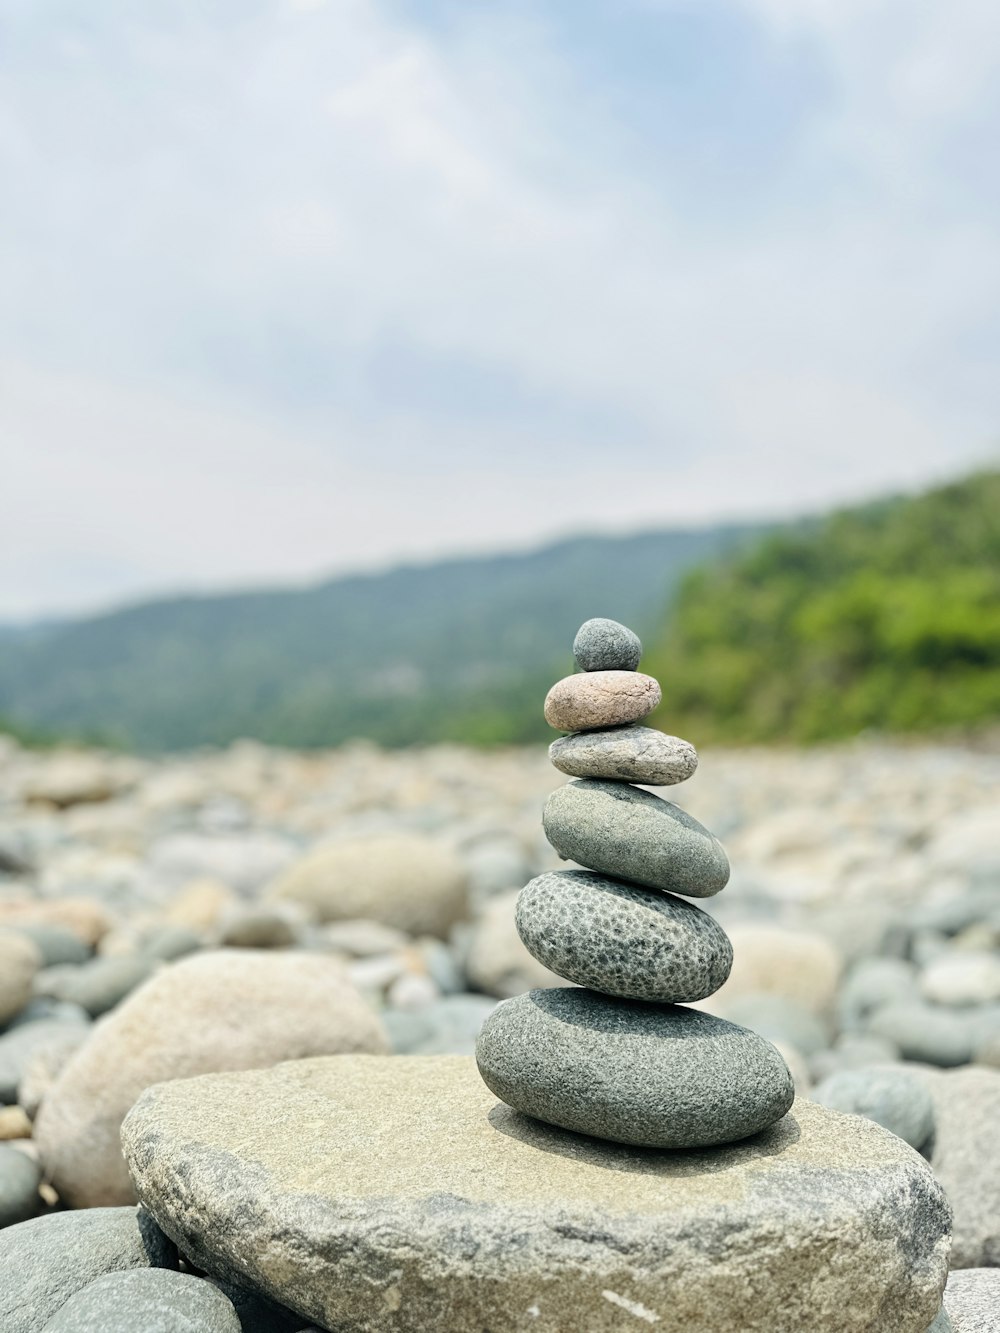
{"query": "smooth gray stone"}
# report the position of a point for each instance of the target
(20, 1045)
(644, 1074)
(606, 645)
(152, 1300)
(972, 1300)
(56, 944)
(167, 943)
(926, 1033)
(625, 754)
(872, 983)
(449, 1026)
(631, 834)
(640, 944)
(97, 985)
(44, 1262)
(43, 1007)
(19, 1181)
(894, 1099)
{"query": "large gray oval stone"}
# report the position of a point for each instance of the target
(395, 1193)
(621, 939)
(153, 1300)
(631, 834)
(652, 1075)
(625, 754)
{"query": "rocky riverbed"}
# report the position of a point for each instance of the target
(211, 913)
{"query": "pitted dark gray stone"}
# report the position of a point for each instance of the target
(622, 940)
(625, 754)
(631, 834)
(605, 645)
(651, 1075)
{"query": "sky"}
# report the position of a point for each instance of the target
(291, 287)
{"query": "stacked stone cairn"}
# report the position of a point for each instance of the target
(617, 1055)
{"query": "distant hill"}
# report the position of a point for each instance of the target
(461, 649)
(884, 617)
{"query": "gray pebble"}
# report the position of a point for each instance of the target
(892, 1098)
(19, 1181)
(21, 1045)
(925, 1033)
(154, 1300)
(631, 834)
(56, 944)
(622, 940)
(972, 1300)
(649, 1075)
(625, 754)
(605, 645)
(98, 985)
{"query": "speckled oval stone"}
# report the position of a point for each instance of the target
(622, 940)
(631, 834)
(651, 1075)
(600, 699)
(605, 645)
(625, 754)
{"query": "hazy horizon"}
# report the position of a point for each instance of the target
(290, 289)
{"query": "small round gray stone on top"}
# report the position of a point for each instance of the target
(644, 1074)
(631, 834)
(625, 754)
(605, 645)
(622, 940)
(153, 1300)
(600, 699)
(892, 1098)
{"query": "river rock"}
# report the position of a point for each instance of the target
(21, 1045)
(893, 1098)
(631, 834)
(643, 1074)
(797, 965)
(397, 1195)
(44, 1262)
(926, 1033)
(622, 940)
(600, 699)
(98, 985)
(972, 1301)
(962, 977)
(605, 645)
(19, 962)
(154, 1300)
(19, 1181)
(965, 1160)
(231, 1009)
(497, 961)
(55, 943)
(625, 754)
(405, 880)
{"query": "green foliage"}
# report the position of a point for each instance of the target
(885, 617)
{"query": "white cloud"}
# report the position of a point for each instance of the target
(220, 218)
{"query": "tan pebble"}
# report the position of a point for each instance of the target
(14, 1123)
(600, 699)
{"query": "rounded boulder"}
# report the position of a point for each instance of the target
(600, 699)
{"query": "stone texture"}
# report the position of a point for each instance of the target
(631, 834)
(19, 961)
(600, 699)
(19, 1181)
(396, 1195)
(625, 754)
(497, 961)
(44, 1262)
(893, 1098)
(154, 1300)
(232, 1009)
(622, 940)
(643, 1074)
(404, 880)
(606, 645)
(965, 1159)
(972, 1300)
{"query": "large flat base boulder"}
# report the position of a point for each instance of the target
(374, 1193)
